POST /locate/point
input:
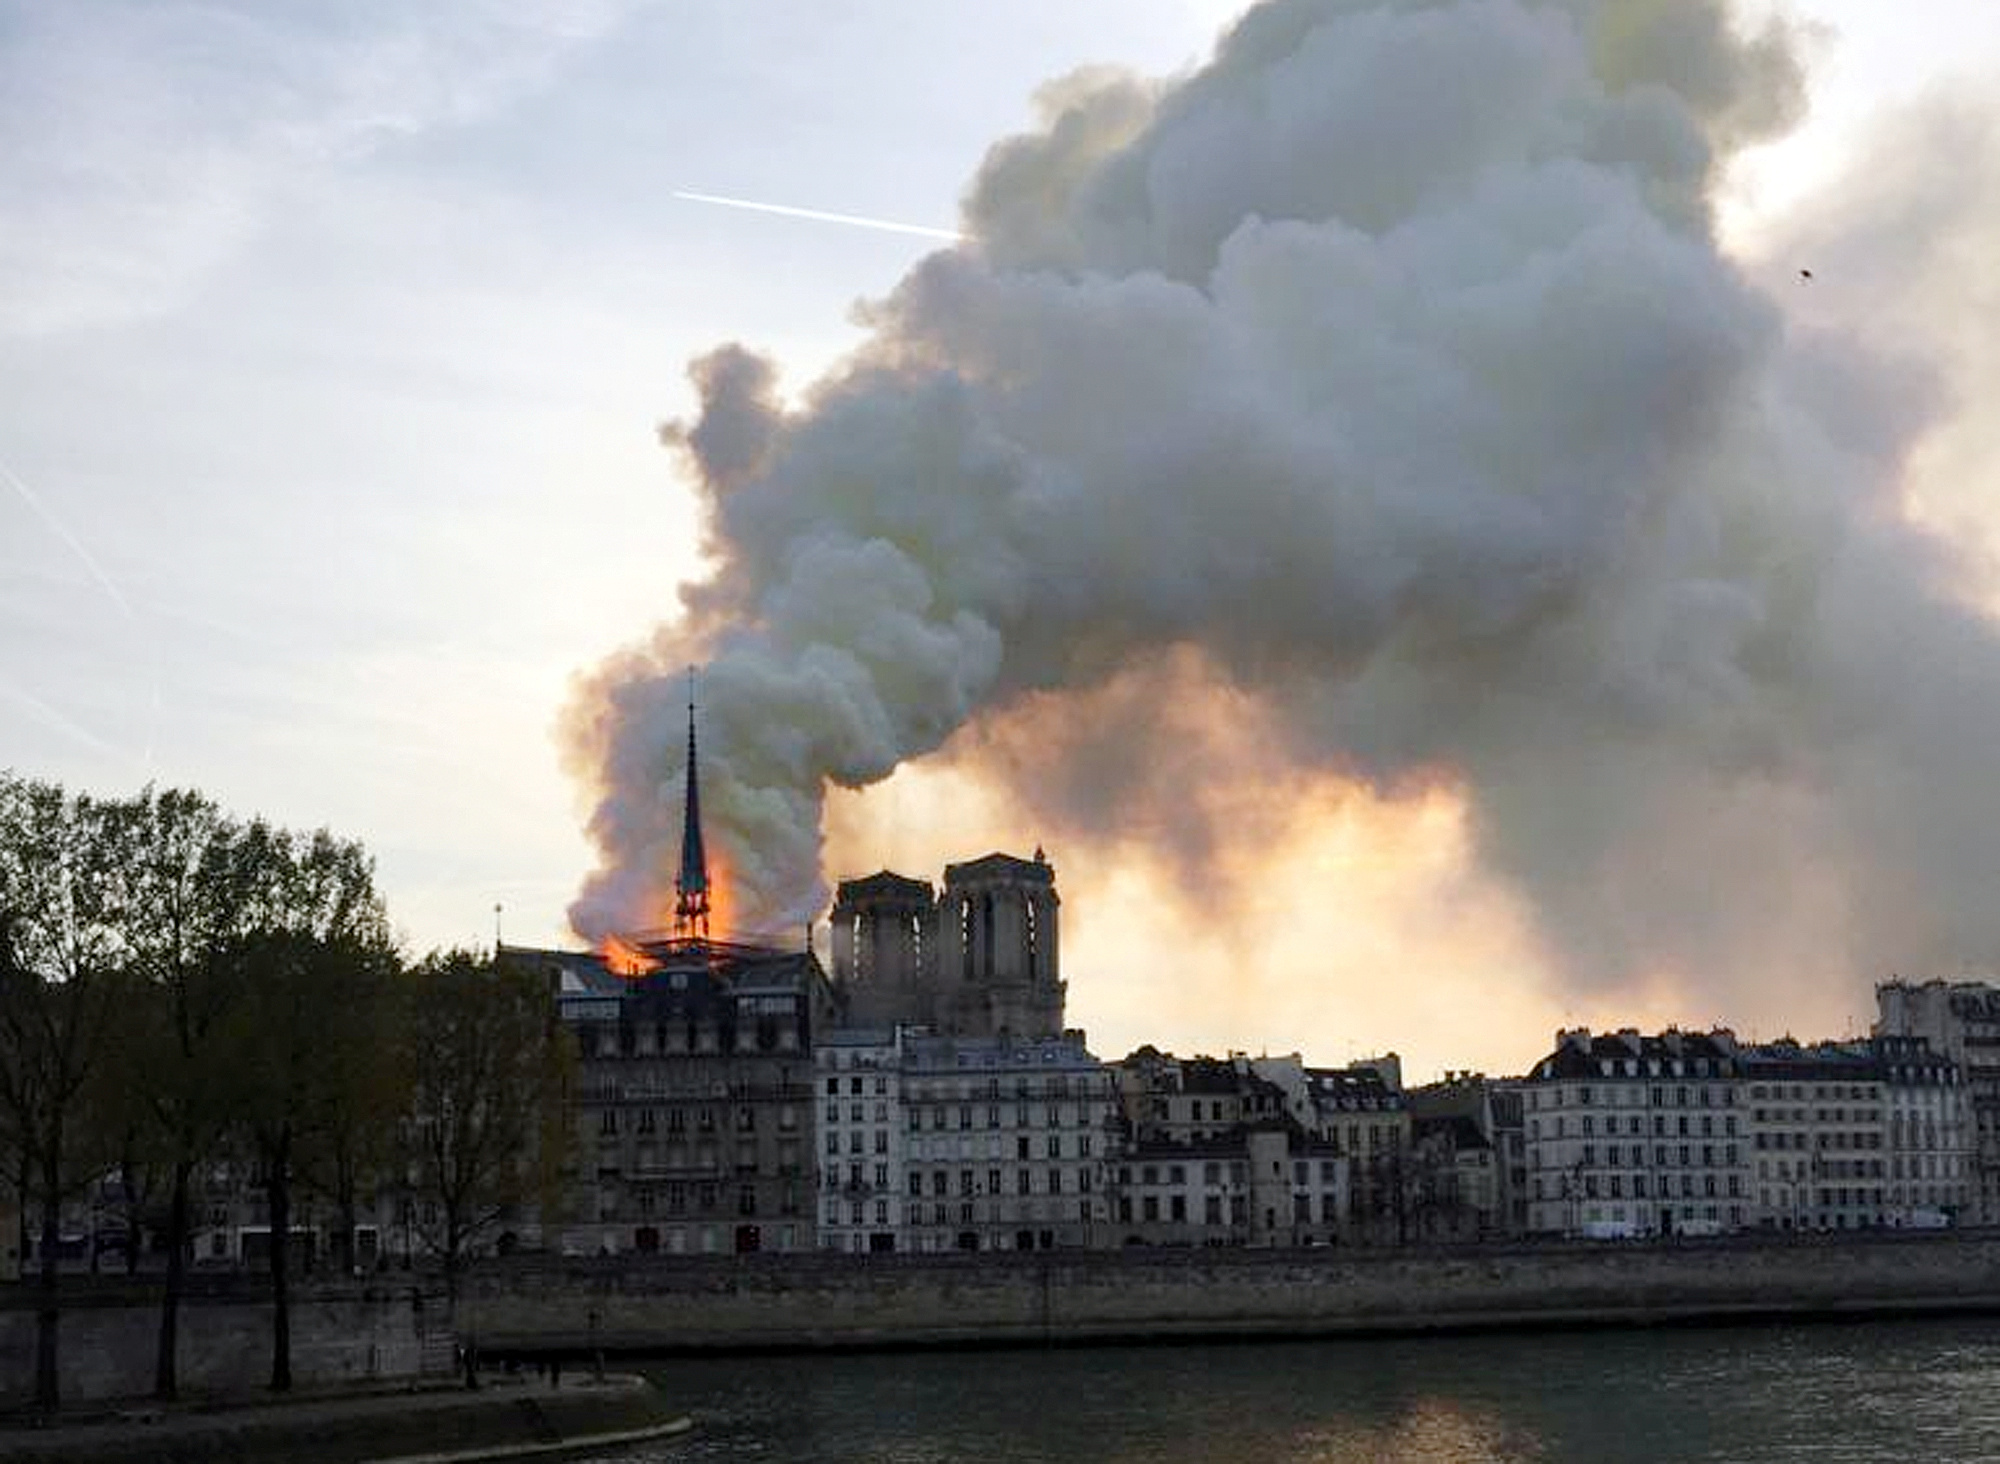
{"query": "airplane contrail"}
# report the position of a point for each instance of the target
(54, 719)
(110, 587)
(823, 216)
(61, 530)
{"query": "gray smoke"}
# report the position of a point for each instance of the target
(1388, 368)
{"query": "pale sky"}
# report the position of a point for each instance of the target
(333, 340)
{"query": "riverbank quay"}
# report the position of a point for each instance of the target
(520, 1417)
(384, 1328)
(660, 1306)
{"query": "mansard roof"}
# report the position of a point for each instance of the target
(1361, 1089)
(694, 977)
(1459, 1131)
(1581, 1054)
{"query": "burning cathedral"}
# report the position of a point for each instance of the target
(695, 1109)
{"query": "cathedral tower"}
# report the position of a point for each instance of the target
(884, 933)
(998, 965)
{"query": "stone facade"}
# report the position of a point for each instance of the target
(1933, 1154)
(1853, 1135)
(1631, 1135)
(1265, 1184)
(1215, 1153)
(694, 1099)
(775, 1301)
(1470, 1150)
(934, 1143)
(342, 1334)
(981, 958)
(1692, 1133)
(1961, 1021)
(1363, 1113)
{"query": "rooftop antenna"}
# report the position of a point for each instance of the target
(496, 927)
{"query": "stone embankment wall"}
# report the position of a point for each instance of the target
(393, 1330)
(341, 1333)
(726, 1303)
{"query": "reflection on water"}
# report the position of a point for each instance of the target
(1873, 1392)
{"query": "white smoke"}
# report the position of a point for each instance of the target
(1389, 366)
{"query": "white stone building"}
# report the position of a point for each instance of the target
(1932, 1149)
(1630, 1135)
(860, 1138)
(931, 1143)
(1961, 1021)
(1818, 1128)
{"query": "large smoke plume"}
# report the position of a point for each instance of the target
(1386, 368)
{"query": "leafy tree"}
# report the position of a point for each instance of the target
(201, 890)
(187, 882)
(60, 955)
(354, 1144)
(492, 1067)
(309, 1003)
(230, 973)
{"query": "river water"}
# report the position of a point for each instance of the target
(1829, 1394)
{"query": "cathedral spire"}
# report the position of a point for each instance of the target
(691, 887)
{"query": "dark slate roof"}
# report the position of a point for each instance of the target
(694, 979)
(1691, 1049)
(1457, 1129)
(1908, 1059)
(1794, 1062)
(1359, 1089)
(1211, 1075)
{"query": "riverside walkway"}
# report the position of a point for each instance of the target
(515, 1417)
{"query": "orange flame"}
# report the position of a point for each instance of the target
(625, 959)
(720, 905)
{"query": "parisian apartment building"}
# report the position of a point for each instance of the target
(1961, 1021)
(932, 1143)
(1210, 1153)
(694, 1103)
(1692, 1133)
